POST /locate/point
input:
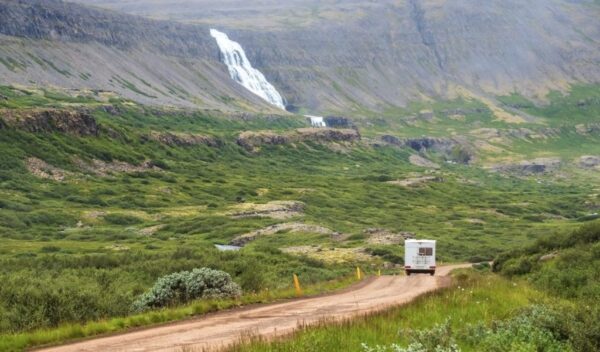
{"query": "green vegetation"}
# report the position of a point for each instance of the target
(471, 315)
(580, 105)
(65, 332)
(546, 300)
(55, 68)
(568, 266)
(88, 224)
(186, 286)
(132, 87)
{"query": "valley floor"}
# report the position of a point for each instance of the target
(223, 329)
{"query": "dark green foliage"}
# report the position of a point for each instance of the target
(386, 254)
(566, 265)
(185, 286)
(85, 247)
(122, 219)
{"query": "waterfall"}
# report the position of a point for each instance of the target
(316, 121)
(242, 71)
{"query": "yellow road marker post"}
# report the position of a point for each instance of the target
(297, 286)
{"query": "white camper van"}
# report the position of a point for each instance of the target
(419, 256)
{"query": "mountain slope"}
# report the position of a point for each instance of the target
(335, 55)
(52, 43)
(349, 56)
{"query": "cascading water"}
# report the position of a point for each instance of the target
(242, 71)
(316, 121)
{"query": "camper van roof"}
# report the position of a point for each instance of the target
(419, 241)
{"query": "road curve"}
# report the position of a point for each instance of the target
(219, 330)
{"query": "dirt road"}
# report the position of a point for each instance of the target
(219, 330)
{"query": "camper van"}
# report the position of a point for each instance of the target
(419, 256)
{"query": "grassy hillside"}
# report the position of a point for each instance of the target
(567, 266)
(91, 215)
(545, 300)
(481, 312)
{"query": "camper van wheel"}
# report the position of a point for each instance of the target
(432, 273)
(408, 273)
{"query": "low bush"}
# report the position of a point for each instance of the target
(122, 219)
(185, 286)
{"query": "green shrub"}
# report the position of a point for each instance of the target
(437, 339)
(50, 249)
(185, 286)
(537, 328)
(122, 219)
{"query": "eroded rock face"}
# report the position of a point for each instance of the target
(79, 123)
(295, 227)
(455, 150)
(327, 135)
(41, 169)
(274, 210)
(338, 122)
(251, 140)
(386, 237)
(529, 167)
(418, 160)
(184, 139)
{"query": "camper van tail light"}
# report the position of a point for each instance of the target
(432, 267)
(407, 267)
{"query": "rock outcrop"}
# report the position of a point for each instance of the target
(387, 237)
(294, 227)
(529, 167)
(250, 140)
(338, 122)
(418, 160)
(454, 150)
(42, 169)
(274, 210)
(79, 123)
(174, 139)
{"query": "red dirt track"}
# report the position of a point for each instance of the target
(219, 330)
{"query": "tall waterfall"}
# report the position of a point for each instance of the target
(242, 71)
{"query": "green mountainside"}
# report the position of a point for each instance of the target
(129, 158)
(100, 199)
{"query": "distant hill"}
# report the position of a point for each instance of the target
(343, 56)
(51, 43)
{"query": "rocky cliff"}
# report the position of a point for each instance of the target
(60, 44)
(78, 123)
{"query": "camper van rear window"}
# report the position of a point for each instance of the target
(425, 251)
